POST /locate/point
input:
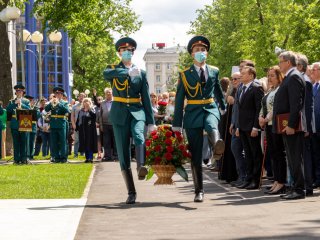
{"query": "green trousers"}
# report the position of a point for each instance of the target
(122, 136)
(58, 144)
(20, 145)
(195, 137)
(32, 139)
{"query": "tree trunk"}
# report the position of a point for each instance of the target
(5, 70)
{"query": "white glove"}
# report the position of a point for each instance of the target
(222, 112)
(177, 129)
(134, 72)
(151, 128)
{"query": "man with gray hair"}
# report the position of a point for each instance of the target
(289, 99)
(106, 127)
(308, 122)
(315, 76)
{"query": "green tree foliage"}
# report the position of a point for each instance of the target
(90, 24)
(251, 29)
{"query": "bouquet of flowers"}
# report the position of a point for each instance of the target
(165, 147)
(162, 106)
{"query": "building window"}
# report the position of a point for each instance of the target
(158, 78)
(169, 79)
(158, 90)
(168, 66)
(158, 66)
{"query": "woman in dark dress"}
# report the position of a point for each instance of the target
(86, 125)
(228, 171)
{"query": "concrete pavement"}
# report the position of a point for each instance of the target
(168, 212)
(161, 213)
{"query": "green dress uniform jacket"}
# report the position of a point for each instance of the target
(131, 110)
(125, 87)
(201, 112)
(58, 132)
(20, 139)
(189, 87)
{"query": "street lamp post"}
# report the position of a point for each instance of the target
(12, 14)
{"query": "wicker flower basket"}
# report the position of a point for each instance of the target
(164, 174)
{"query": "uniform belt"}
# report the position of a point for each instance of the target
(14, 116)
(126, 100)
(201, 101)
(57, 116)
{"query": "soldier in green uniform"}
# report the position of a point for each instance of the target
(130, 111)
(20, 139)
(59, 112)
(32, 135)
(1, 127)
(200, 85)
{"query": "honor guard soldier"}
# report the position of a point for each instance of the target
(130, 111)
(200, 85)
(58, 124)
(20, 138)
(32, 135)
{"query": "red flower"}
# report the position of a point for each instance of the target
(177, 133)
(170, 149)
(189, 155)
(155, 137)
(147, 153)
(179, 138)
(162, 103)
(157, 148)
(153, 133)
(181, 147)
(168, 156)
(168, 141)
(148, 143)
(168, 134)
(185, 154)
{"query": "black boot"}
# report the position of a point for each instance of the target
(140, 157)
(198, 183)
(128, 179)
(216, 143)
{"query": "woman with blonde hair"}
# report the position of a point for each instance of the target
(274, 141)
(86, 125)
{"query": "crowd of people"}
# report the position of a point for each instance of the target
(243, 127)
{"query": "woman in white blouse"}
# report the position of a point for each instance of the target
(274, 141)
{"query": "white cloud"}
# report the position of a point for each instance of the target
(166, 21)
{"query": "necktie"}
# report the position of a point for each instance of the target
(315, 89)
(202, 76)
(243, 92)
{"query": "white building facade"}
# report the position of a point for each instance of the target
(161, 66)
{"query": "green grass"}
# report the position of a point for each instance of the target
(43, 181)
(40, 157)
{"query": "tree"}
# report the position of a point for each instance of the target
(90, 24)
(251, 29)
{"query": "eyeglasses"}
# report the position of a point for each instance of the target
(234, 79)
(283, 61)
(314, 69)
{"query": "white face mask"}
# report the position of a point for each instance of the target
(171, 98)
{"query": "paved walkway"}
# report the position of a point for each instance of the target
(168, 212)
(161, 213)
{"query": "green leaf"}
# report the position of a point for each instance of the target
(182, 172)
(150, 174)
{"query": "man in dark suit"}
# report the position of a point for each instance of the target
(307, 121)
(249, 104)
(290, 99)
(315, 75)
